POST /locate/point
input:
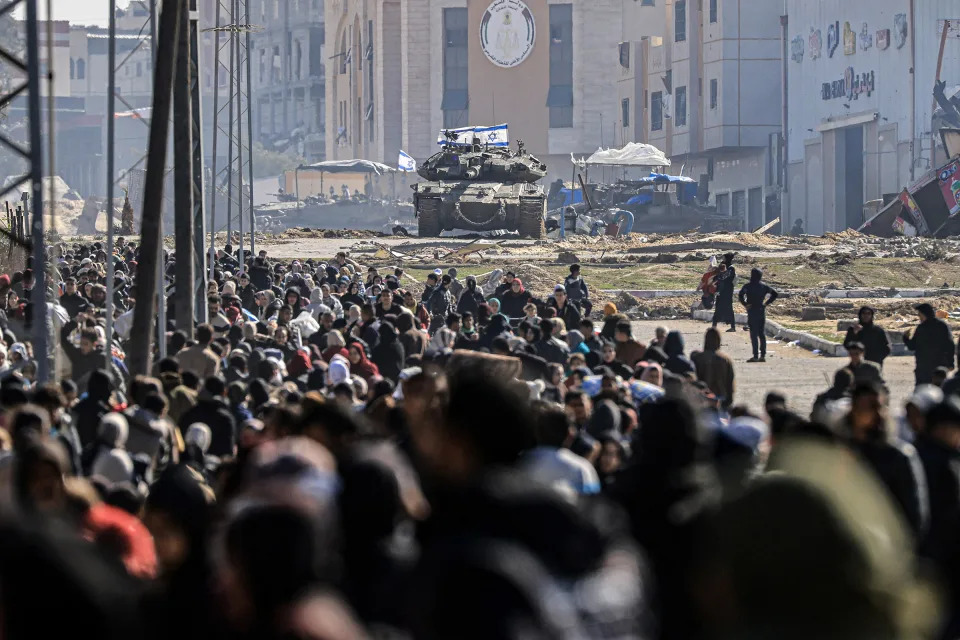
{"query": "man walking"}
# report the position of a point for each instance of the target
(756, 296)
(931, 342)
(725, 280)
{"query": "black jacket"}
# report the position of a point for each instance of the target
(553, 350)
(932, 343)
(576, 289)
(214, 413)
(875, 342)
(82, 365)
(754, 296)
(512, 304)
(470, 300)
(899, 468)
(73, 303)
(389, 356)
(87, 414)
(260, 277)
(570, 314)
(441, 303)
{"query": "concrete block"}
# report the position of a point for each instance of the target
(813, 313)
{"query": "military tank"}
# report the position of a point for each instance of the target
(477, 187)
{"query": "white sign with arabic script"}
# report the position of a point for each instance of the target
(507, 32)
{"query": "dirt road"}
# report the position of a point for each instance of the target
(796, 372)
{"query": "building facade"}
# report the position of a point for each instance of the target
(549, 69)
(860, 102)
(289, 81)
(712, 100)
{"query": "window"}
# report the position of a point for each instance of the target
(681, 107)
(72, 70)
(343, 50)
(625, 112)
(625, 55)
(680, 21)
(455, 73)
(647, 3)
(713, 11)
(139, 69)
(560, 97)
(723, 204)
(81, 69)
(713, 93)
(656, 111)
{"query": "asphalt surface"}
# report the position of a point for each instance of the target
(799, 374)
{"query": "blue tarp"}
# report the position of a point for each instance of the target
(571, 196)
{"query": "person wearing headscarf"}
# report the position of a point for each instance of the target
(471, 297)
(714, 367)
(352, 296)
(316, 306)
(496, 327)
(111, 436)
(677, 362)
(335, 346)
(875, 341)
(513, 301)
(442, 341)
(414, 340)
(724, 281)
(388, 355)
(360, 365)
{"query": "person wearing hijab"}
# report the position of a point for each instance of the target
(414, 340)
(471, 297)
(360, 365)
(514, 299)
(389, 355)
(335, 346)
(677, 362)
(498, 326)
(352, 296)
(442, 341)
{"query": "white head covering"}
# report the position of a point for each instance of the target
(338, 371)
(114, 429)
(114, 466)
(200, 435)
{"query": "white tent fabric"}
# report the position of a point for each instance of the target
(348, 166)
(634, 154)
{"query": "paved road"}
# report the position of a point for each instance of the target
(796, 372)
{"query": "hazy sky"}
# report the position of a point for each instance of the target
(81, 11)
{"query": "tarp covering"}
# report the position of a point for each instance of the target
(348, 166)
(634, 154)
(662, 178)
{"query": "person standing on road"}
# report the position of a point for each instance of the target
(875, 342)
(756, 296)
(725, 280)
(577, 291)
(715, 367)
(931, 342)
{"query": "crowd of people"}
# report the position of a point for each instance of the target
(341, 453)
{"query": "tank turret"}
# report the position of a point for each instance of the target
(481, 188)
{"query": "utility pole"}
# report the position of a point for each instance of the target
(111, 173)
(184, 296)
(41, 319)
(253, 222)
(144, 311)
(199, 221)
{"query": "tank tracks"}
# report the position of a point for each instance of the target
(428, 217)
(531, 221)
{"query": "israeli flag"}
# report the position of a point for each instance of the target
(406, 162)
(495, 136)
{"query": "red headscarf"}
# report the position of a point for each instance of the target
(519, 282)
(299, 364)
(365, 369)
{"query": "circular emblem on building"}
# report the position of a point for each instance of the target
(507, 32)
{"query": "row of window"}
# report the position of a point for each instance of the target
(680, 18)
(680, 106)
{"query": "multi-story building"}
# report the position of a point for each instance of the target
(860, 104)
(289, 83)
(712, 96)
(402, 71)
